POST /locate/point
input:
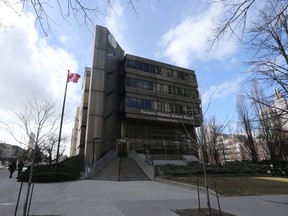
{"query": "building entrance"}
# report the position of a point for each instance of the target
(122, 149)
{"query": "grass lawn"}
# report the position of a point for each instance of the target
(239, 185)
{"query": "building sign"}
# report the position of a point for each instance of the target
(166, 116)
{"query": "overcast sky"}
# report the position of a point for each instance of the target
(35, 66)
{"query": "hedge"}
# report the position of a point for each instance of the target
(50, 173)
(236, 167)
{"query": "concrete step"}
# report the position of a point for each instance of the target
(130, 171)
(121, 169)
(110, 172)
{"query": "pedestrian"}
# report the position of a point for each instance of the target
(20, 168)
(12, 168)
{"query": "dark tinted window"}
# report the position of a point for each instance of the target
(131, 102)
(140, 103)
(139, 83)
(152, 69)
(148, 85)
(148, 105)
(146, 67)
(131, 64)
(131, 82)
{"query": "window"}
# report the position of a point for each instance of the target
(177, 108)
(171, 89)
(191, 79)
(140, 103)
(176, 74)
(194, 94)
(189, 110)
(148, 104)
(180, 109)
(131, 82)
(139, 83)
(196, 111)
(152, 69)
(180, 91)
(165, 89)
(131, 102)
(187, 92)
(156, 70)
(159, 87)
(184, 109)
(194, 78)
(146, 67)
(172, 108)
(169, 73)
(160, 106)
(131, 64)
(163, 71)
(148, 85)
(186, 76)
(142, 66)
(139, 66)
(167, 107)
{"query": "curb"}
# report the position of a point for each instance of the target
(186, 186)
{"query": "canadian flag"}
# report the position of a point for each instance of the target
(73, 77)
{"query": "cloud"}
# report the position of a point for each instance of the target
(188, 41)
(116, 22)
(32, 68)
(216, 92)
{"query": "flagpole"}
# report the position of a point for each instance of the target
(61, 122)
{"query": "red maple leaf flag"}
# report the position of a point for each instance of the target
(73, 77)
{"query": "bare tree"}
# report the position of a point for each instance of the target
(213, 131)
(38, 123)
(84, 13)
(237, 15)
(271, 133)
(269, 38)
(51, 147)
(265, 37)
(247, 123)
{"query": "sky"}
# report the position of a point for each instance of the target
(34, 65)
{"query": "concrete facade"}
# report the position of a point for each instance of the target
(134, 103)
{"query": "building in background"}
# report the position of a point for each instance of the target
(130, 103)
(9, 152)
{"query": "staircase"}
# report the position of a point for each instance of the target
(121, 169)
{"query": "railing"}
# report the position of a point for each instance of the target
(100, 164)
(148, 169)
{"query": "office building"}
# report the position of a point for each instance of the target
(131, 103)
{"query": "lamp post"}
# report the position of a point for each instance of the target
(93, 149)
(177, 147)
(164, 144)
(189, 145)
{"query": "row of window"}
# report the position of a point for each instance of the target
(146, 104)
(159, 87)
(161, 71)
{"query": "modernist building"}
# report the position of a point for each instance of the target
(130, 103)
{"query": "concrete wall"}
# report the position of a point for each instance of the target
(103, 120)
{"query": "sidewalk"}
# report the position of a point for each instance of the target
(140, 198)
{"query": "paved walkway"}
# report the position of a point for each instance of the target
(111, 198)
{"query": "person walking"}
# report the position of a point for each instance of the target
(20, 168)
(12, 168)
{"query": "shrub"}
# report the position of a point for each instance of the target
(235, 167)
(75, 162)
(276, 167)
(49, 173)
